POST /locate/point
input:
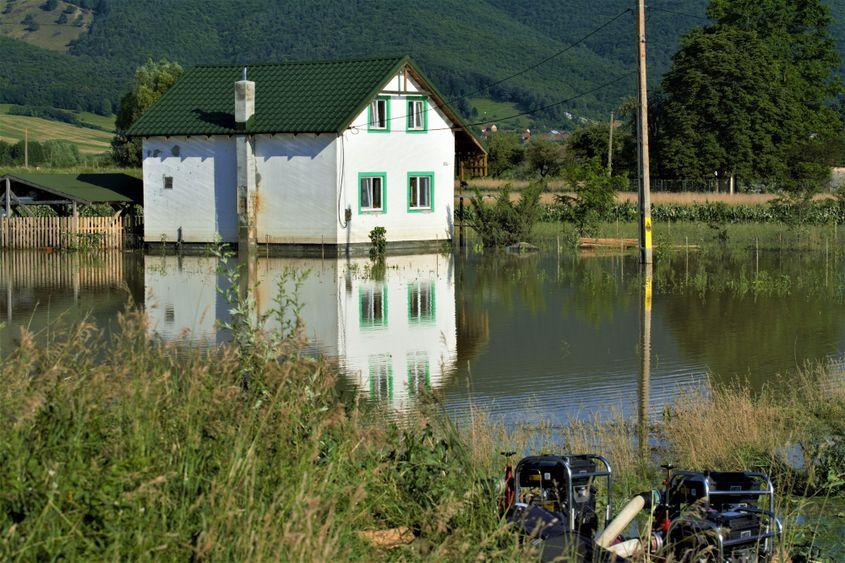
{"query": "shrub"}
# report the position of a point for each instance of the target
(378, 243)
(595, 193)
(505, 223)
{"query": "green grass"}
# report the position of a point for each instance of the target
(90, 141)
(50, 35)
(124, 447)
(675, 236)
(101, 121)
(492, 111)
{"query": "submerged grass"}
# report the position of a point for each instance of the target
(124, 447)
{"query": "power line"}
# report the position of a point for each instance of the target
(674, 13)
(542, 108)
(547, 59)
(526, 69)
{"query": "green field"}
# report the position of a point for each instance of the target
(90, 141)
(492, 111)
(50, 34)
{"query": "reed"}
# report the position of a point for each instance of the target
(124, 447)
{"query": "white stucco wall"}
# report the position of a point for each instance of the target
(203, 199)
(298, 180)
(297, 188)
(397, 153)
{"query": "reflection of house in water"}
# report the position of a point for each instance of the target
(391, 335)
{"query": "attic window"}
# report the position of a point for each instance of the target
(168, 182)
(417, 115)
(379, 115)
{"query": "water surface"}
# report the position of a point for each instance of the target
(528, 338)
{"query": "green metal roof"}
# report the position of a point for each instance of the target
(85, 188)
(290, 97)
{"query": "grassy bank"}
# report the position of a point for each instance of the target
(120, 447)
(676, 235)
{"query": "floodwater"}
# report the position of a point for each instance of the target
(529, 338)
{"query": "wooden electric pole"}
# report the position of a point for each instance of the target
(26, 148)
(642, 130)
(610, 148)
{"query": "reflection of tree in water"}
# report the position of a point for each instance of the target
(744, 320)
(599, 287)
(509, 280)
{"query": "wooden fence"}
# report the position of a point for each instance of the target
(68, 232)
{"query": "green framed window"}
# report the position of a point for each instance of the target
(419, 372)
(378, 115)
(417, 120)
(420, 191)
(421, 304)
(372, 306)
(381, 377)
(372, 192)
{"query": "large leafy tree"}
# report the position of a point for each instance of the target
(152, 80)
(750, 95)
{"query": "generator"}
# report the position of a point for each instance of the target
(719, 516)
(552, 500)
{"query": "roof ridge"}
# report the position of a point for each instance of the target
(302, 62)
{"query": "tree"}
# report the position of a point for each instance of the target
(62, 19)
(60, 153)
(504, 222)
(749, 95)
(34, 152)
(50, 5)
(594, 194)
(545, 157)
(589, 143)
(505, 152)
(152, 80)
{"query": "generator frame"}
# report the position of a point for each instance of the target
(773, 527)
(570, 489)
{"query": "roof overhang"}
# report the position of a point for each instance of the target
(84, 189)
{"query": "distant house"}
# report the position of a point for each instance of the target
(303, 153)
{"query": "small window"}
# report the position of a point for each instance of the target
(168, 182)
(371, 188)
(420, 191)
(379, 115)
(417, 116)
(373, 306)
(421, 302)
(419, 372)
(381, 377)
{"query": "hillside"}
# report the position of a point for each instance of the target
(90, 141)
(463, 44)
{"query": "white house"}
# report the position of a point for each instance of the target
(311, 154)
(391, 336)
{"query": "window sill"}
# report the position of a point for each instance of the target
(371, 212)
(416, 131)
(373, 130)
(421, 210)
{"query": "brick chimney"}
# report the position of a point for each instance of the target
(245, 157)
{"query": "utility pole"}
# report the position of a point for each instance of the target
(642, 129)
(26, 148)
(610, 148)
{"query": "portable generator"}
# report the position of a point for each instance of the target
(720, 516)
(552, 499)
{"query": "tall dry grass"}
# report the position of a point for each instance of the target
(123, 447)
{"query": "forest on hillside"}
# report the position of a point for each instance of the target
(464, 45)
